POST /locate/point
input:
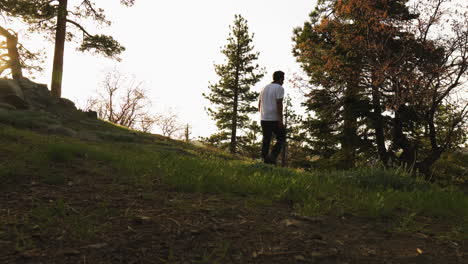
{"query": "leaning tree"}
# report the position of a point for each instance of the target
(11, 58)
(15, 57)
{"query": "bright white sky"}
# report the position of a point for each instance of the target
(172, 46)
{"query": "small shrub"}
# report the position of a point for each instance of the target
(452, 168)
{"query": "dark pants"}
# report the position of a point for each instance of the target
(268, 129)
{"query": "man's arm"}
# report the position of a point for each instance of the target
(259, 104)
(279, 106)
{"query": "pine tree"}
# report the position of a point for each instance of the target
(232, 95)
(187, 133)
(292, 122)
(250, 144)
(334, 71)
(387, 75)
(347, 63)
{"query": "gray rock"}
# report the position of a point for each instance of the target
(37, 95)
(67, 104)
(91, 114)
(12, 94)
(7, 106)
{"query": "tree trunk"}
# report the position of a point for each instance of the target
(57, 71)
(13, 54)
(234, 116)
(425, 165)
(284, 153)
(233, 145)
(187, 133)
(348, 141)
(408, 156)
(378, 125)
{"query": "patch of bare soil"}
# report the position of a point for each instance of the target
(108, 223)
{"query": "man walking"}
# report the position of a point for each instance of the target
(270, 105)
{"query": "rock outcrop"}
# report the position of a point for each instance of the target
(39, 109)
(36, 95)
(11, 95)
(25, 94)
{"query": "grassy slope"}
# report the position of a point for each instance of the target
(117, 160)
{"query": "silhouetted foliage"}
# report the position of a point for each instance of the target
(382, 72)
(53, 17)
(15, 57)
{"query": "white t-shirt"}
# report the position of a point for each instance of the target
(268, 97)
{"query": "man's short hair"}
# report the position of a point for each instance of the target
(278, 75)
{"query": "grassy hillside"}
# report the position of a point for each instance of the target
(74, 185)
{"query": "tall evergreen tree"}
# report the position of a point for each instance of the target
(348, 49)
(294, 140)
(187, 133)
(405, 74)
(336, 96)
(232, 94)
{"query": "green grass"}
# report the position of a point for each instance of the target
(27, 119)
(79, 225)
(452, 168)
(48, 219)
(367, 192)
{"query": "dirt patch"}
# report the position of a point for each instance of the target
(101, 222)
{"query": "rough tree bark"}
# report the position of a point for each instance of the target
(57, 71)
(233, 145)
(378, 125)
(348, 141)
